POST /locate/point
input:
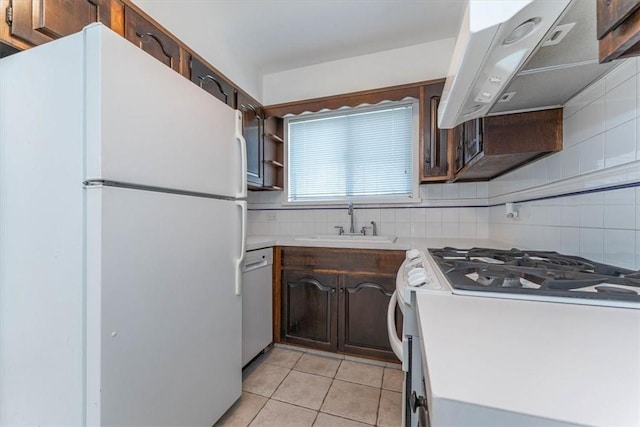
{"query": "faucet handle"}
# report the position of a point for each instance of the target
(363, 231)
(340, 229)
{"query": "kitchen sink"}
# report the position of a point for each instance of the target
(349, 238)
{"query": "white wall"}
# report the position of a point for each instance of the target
(415, 63)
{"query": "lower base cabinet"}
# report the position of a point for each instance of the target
(336, 299)
(363, 302)
(309, 309)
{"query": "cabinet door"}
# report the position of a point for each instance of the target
(618, 29)
(152, 40)
(435, 150)
(212, 82)
(252, 130)
(363, 303)
(40, 21)
(309, 309)
(611, 13)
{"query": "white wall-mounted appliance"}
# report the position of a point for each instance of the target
(123, 220)
(520, 55)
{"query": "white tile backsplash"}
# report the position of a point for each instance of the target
(467, 190)
(619, 247)
(620, 104)
(619, 75)
(571, 130)
(620, 209)
(434, 191)
(592, 119)
(592, 243)
(592, 93)
(450, 191)
(570, 161)
(620, 144)
(592, 154)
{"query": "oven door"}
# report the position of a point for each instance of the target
(408, 350)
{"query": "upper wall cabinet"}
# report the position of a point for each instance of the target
(40, 21)
(489, 147)
(618, 29)
(212, 82)
(435, 153)
(155, 42)
(253, 132)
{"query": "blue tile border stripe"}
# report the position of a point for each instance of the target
(533, 199)
(575, 193)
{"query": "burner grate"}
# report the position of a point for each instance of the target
(536, 273)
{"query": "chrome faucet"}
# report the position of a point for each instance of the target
(352, 228)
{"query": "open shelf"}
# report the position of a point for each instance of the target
(275, 137)
(274, 163)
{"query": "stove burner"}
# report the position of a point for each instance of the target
(615, 290)
(537, 273)
(511, 282)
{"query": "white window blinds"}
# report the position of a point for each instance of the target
(359, 154)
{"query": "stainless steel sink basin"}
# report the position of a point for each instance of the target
(349, 238)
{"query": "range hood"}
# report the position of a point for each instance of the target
(513, 56)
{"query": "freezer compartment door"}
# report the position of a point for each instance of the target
(148, 125)
(163, 303)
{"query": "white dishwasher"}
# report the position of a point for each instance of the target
(257, 305)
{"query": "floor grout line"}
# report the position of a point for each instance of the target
(333, 379)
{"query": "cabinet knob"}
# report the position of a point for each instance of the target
(333, 290)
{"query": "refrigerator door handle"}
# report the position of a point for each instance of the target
(243, 245)
(243, 156)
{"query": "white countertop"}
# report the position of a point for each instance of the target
(571, 363)
(260, 241)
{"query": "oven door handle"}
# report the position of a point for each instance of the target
(396, 343)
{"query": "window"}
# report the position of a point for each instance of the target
(363, 154)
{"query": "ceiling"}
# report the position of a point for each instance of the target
(277, 35)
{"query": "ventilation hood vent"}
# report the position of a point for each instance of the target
(531, 55)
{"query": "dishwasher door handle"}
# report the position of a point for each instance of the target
(255, 265)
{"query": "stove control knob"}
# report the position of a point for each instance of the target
(413, 254)
(417, 279)
(417, 270)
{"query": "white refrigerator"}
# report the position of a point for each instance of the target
(122, 230)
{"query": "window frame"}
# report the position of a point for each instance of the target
(413, 198)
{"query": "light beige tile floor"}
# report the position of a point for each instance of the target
(285, 387)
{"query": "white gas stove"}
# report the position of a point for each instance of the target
(494, 337)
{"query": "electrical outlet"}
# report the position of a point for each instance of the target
(272, 216)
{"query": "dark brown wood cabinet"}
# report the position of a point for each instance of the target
(41, 21)
(436, 152)
(148, 37)
(273, 156)
(211, 81)
(494, 145)
(618, 29)
(253, 132)
(309, 309)
(337, 299)
(363, 306)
